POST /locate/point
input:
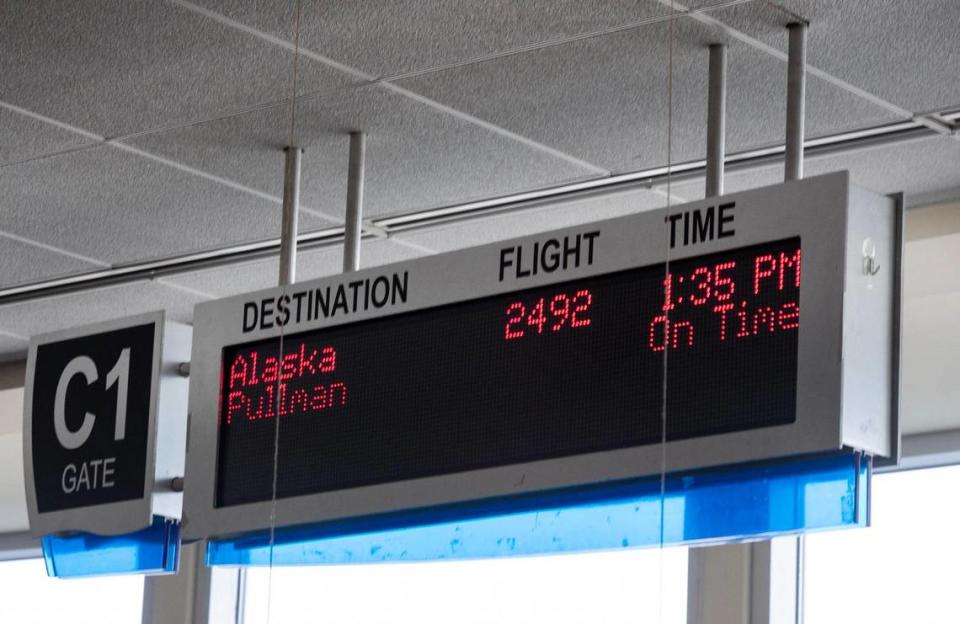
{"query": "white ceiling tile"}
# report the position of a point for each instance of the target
(905, 52)
(23, 137)
(608, 99)
(114, 67)
(389, 37)
(416, 157)
(115, 206)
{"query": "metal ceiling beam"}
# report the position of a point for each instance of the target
(940, 124)
(385, 226)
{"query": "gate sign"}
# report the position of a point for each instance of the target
(91, 425)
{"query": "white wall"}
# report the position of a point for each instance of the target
(13, 503)
(931, 320)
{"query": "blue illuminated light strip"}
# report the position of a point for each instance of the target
(153, 550)
(716, 506)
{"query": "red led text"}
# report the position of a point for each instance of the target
(263, 386)
(548, 314)
(280, 399)
(739, 311)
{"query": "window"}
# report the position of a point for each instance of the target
(31, 597)
(903, 568)
(611, 587)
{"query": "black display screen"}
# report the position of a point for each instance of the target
(554, 371)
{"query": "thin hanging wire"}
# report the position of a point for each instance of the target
(666, 310)
(291, 144)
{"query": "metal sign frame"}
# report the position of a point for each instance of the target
(166, 432)
(831, 217)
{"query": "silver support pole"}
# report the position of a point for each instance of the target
(796, 88)
(719, 584)
(754, 583)
(351, 235)
(196, 594)
(716, 119)
(291, 210)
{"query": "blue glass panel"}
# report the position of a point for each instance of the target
(154, 550)
(714, 506)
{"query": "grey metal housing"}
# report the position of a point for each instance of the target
(844, 367)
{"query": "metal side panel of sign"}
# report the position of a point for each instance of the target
(104, 425)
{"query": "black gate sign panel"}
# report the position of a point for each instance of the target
(91, 418)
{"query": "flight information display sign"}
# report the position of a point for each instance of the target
(571, 368)
(735, 329)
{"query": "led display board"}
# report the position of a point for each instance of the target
(571, 368)
(721, 327)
